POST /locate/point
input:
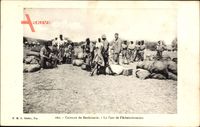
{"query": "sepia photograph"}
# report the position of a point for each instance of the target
(100, 61)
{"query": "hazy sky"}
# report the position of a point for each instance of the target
(78, 24)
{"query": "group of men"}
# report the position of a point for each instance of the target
(112, 50)
(61, 51)
(100, 54)
(97, 55)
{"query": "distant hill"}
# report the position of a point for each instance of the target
(34, 40)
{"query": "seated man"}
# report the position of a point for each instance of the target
(47, 60)
(53, 60)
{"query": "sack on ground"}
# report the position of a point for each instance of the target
(157, 76)
(166, 57)
(83, 67)
(175, 60)
(31, 67)
(108, 71)
(172, 76)
(127, 72)
(32, 53)
(117, 69)
(31, 60)
(142, 74)
(77, 62)
(80, 55)
(34, 61)
(172, 67)
(147, 65)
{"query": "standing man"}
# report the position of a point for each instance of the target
(98, 58)
(61, 48)
(92, 48)
(88, 56)
(141, 50)
(160, 48)
(55, 46)
(98, 45)
(137, 48)
(105, 50)
(124, 52)
(60, 41)
(55, 42)
(131, 50)
(117, 44)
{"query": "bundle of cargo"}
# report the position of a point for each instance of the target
(166, 57)
(127, 72)
(114, 69)
(172, 76)
(77, 62)
(142, 74)
(31, 61)
(80, 55)
(157, 70)
(172, 67)
(31, 67)
(83, 66)
(117, 69)
(109, 71)
(33, 53)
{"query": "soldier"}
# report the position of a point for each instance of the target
(61, 48)
(101, 58)
(92, 49)
(98, 58)
(124, 52)
(141, 50)
(105, 50)
(98, 44)
(131, 50)
(55, 46)
(55, 51)
(137, 48)
(160, 48)
(88, 57)
(45, 56)
(55, 42)
(117, 44)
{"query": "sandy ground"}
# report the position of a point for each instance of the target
(68, 89)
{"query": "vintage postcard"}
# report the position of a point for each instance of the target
(97, 63)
